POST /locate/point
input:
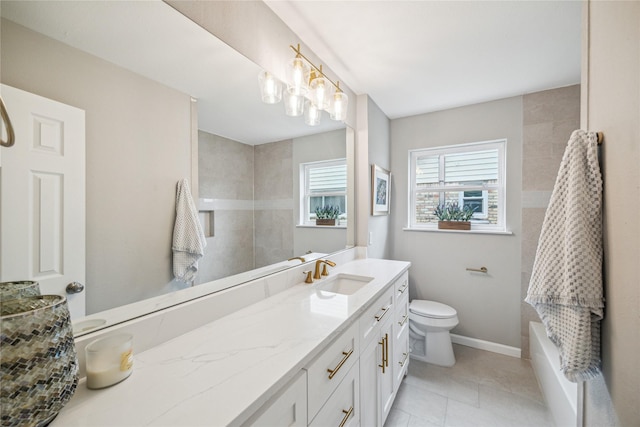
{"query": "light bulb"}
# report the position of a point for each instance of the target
(312, 114)
(339, 106)
(270, 88)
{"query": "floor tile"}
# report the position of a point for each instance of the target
(481, 389)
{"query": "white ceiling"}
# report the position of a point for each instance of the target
(413, 57)
(410, 57)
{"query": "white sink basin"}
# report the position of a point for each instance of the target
(345, 284)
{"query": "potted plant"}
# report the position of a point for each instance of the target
(452, 217)
(327, 215)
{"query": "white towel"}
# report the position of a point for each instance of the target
(188, 238)
(566, 282)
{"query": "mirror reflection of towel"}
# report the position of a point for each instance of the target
(188, 237)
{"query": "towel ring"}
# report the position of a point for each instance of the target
(11, 137)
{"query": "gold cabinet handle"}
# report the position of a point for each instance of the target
(406, 356)
(334, 371)
(384, 311)
(404, 288)
(346, 416)
(404, 320)
(383, 355)
(386, 350)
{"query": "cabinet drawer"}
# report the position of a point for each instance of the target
(343, 407)
(287, 408)
(371, 319)
(401, 359)
(401, 287)
(330, 367)
(401, 320)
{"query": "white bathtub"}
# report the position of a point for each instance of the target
(560, 394)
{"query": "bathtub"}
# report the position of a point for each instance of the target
(560, 394)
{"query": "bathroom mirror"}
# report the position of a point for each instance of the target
(152, 115)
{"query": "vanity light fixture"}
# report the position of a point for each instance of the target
(270, 88)
(308, 91)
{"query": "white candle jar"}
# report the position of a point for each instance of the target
(109, 360)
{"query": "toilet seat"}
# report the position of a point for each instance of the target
(432, 309)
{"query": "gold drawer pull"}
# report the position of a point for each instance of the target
(384, 311)
(403, 321)
(383, 355)
(406, 356)
(404, 288)
(346, 416)
(333, 372)
(386, 350)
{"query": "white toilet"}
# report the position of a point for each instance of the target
(429, 326)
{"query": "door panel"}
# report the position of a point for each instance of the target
(42, 196)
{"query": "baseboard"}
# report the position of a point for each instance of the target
(486, 345)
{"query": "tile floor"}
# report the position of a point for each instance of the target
(482, 389)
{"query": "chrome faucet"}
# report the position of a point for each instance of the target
(316, 275)
(297, 257)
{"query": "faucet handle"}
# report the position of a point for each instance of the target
(308, 279)
(325, 271)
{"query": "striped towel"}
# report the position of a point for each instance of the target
(566, 282)
(188, 238)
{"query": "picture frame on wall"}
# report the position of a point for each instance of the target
(380, 190)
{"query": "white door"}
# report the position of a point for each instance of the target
(42, 196)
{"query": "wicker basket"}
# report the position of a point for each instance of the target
(39, 369)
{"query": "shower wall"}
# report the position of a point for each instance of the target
(226, 175)
(273, 214)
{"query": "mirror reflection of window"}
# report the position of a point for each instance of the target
(323, 184)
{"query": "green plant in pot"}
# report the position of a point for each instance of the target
(327, 214)
(452, 217)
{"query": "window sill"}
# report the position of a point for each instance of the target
(321, 226)
(437, 230)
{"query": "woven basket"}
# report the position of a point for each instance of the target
(20, 289)
(39, 369)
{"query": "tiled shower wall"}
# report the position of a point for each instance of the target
(549, 117)
(226, 172)
(273, 202)
(252, 192)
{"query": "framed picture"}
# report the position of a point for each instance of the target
(380, 190)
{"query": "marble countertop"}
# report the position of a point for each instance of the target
(221, 373)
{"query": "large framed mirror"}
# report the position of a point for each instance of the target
(163, 100)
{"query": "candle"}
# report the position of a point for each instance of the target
(109, 360)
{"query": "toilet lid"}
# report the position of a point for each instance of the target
(432, 309)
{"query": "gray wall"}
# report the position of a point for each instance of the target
(138, 146)
(549, 117)
(488, 305)
(225, 169)
(611, 104)
(379, 242)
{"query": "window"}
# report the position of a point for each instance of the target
(470, 174)
(323, 183)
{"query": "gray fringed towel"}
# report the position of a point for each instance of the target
(188, 238)
(566, 282)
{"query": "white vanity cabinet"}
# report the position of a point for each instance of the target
(287, 408)
(376, 361)
(327, 373)
(401, 330)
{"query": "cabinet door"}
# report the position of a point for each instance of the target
(387, 392)
(370, 361)
(287, 408)
(376, 378)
